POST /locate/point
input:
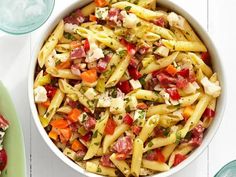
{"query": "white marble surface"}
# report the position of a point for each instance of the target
(214, 15)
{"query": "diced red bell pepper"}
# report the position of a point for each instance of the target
(128, 119)
(131, 48)
(124, 86)
(87, 137)
(178, 159)
(136, 129)
(86, 45)
(110, 127)
(205, 57)
(159, 156)
(184, 72)
(133, 62)
(134, 73)
(209, 113)
(121, 156)
(51, 91)
(173, 92)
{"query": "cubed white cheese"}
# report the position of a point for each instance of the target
(83, 117)
(118, 118)
(135, 84)
(211, 88)
(104, 101)
(165, 96)
(101, 12)
(139, 117)
(139, 114)
(91, 93)
(131, 103)
(40, 94)
(175, 20)
(69, 28)
(129, 20)
(94, 53)
(191, 88)
(162, 51)
(51, 59)
(117, 105)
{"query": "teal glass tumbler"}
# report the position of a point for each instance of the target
(24, 16)
(229, 170)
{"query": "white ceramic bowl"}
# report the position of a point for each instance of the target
(217, 65)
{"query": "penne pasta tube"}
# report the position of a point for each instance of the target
(147, 95)
(121, 165)
(99, 169)
(141, 12)
(109, 139)
(186, 46)
(64, 109)
(183, 151)
(62, 73)
(118, 72)
(159, 64)
(167, 150)
(137, 157)
(189, 100)
(199, 63)
(169, 120)
(159, 142)
(178, 33)
(148, 128)
(54, 105)
(97, 136)
(163, 32)
(155, 165)
(160, 109)
(50, 43)
(197, 114)
(89, 9)
(41, 109)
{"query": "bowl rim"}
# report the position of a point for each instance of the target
(217, 63)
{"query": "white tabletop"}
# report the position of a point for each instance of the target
(15, 56)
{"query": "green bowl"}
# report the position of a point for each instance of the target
(13, 141)
(229, 170)
(24, 16)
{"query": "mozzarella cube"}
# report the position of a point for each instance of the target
(135, 84)
(129, 20)
(162, 51)
(176, 20)
(165, 96)
(83, 117)
(91, 93)
(70, 28)
(104, 101)
(117, 105)
(101, 12)
(211, 88)
(40, 94)
(132, 103)
(139, 117)
(94, 53)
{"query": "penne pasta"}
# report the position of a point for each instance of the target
(186, 46)
(160, 109)
(147, 95)
(120, 164)
(159, 64)
(50, 43)
(137, 157)
(62, 73)
(155, 165)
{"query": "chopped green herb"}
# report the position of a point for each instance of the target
(96, 144)
(150, 144)
(95, 134)
(127, 8)
(69, 36)
(139, 24)
(99, 170)
(178, 138)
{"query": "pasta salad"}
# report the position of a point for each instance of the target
(125, 88)
(4, 124)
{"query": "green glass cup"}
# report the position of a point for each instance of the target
(24, 16)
